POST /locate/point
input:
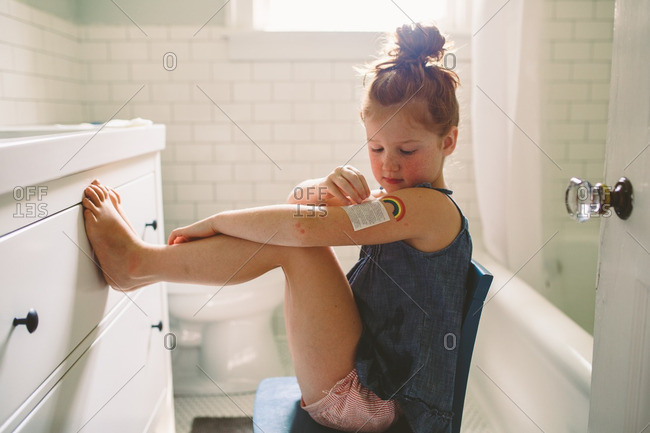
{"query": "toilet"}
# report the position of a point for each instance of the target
(224, 340)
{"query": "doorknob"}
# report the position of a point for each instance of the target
(153, 224)
(584, 201)
(30, 321)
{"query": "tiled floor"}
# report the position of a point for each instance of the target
(187, 408)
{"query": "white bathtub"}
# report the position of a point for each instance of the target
(531, 368)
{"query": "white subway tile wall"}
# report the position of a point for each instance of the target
(42, 74)
(240, 132)
(576, 69)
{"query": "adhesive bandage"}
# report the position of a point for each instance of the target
(366, 214)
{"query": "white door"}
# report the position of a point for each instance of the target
(620, 390)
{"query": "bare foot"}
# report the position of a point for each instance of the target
(116, 199)
(116, 246)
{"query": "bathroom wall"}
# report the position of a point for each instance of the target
(42, 76)
(576, 64)
(283, 120)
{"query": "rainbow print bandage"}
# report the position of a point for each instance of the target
(399, 210)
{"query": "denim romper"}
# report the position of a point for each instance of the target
(411, 305)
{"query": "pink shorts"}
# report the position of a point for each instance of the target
(351, 407)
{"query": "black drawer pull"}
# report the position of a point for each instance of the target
(31, 321)
(153, 224)
(158, 325)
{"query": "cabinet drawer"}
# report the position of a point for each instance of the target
(49, 267)
(116, 384)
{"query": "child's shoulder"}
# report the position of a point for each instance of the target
(416, 193)
(433, 211)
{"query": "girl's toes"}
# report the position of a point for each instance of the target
(91, 195)
(100, 192)
(89, 205)
(107, 190)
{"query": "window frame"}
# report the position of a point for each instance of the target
(241, 16)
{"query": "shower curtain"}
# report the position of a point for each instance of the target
(506, 110)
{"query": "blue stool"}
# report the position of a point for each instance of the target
(277, 402)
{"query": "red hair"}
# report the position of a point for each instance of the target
(410, 74)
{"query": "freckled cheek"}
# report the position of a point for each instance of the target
(423, 165)
(413, 168)
(375, 163)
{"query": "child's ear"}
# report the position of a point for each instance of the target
(449, 141)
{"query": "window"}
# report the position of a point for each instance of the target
(355, 15)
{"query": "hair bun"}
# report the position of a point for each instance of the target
(409, 71)
(416, 43)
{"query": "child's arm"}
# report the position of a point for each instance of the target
(336, 189)
(345, 185)
(420, 210)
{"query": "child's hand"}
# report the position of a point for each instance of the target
(347, 184)
(198, 230)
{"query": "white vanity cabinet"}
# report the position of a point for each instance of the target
(98, 361)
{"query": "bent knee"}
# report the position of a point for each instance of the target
(306, 254)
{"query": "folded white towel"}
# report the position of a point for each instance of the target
(113, 123)
(119, 123)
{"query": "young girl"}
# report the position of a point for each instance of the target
(372, 347)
